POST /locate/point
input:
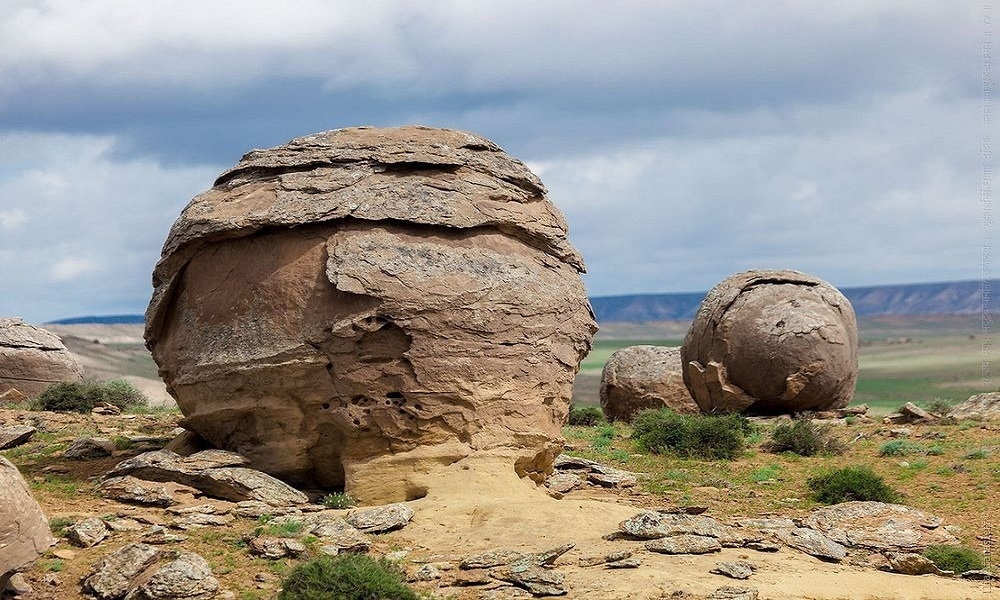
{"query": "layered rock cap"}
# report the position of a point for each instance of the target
(359, 306)
(32, 359)
(772, 341)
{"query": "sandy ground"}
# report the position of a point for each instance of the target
(490, 508)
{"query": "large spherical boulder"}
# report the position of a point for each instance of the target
(24, 530)
(361, 306)
(772, 342)
(637, 378)
(32, 359)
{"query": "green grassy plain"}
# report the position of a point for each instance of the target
(902, 359)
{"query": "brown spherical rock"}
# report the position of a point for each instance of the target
(642, 377)
(24, 530)
(772, 342)
(363, 306)
(32, 359)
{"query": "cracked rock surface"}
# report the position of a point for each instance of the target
(772, 342)
(24, 530)
(363, 306)
(32, 359)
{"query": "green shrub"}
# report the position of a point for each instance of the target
(977, 454)
(346, 577)
(954, 558)
(338, 500)
(850, 483)
(83, 396)
(805, 438)
(899, 448)
(585, 415)
(702, 436)
(938, 406)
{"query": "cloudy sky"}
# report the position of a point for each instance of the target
(684, 140)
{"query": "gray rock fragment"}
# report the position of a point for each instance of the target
(734, 593)
(113, 575)
(11, 437)
(87, 448)
(131, 490)
(684, 544)
(490, 559)
(563, 482)
(909, 563)
(87, 533)
(537, 580)
(274, 548)
(381, 518)
(187, 577)
(812, 542)
(737, 569)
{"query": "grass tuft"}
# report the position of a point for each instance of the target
(346, 577)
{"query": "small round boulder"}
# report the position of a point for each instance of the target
(364, 307)
(643, 377)
(770, 342)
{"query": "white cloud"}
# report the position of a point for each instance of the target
(91, 223)
(12, 219)
(72, 268)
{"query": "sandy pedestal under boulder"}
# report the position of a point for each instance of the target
(771, 342)
(364, 306)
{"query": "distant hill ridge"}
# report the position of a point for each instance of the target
(950, 298)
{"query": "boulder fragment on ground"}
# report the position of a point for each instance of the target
(132, 490)
(739, 569)
(772, 342)
(983, 407)
(400, 299)
(142, 572)
(89, 448)
(332, 530)
(650, 525)
(910, 563)
(684, 544)
(11, 437)
(880, 526)
(537, 580)
(637, 378)
(380, 519)
(812, 543)
(32, 359)
(24, 530)
(210, 472)
(274, 548)
(909, 413)
(563, 482)
(734, 593)
(87, 532)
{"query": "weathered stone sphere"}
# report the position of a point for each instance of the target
(32, 359)
(362, 306)
(641, 377)
(772, 342)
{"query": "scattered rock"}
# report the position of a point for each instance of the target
(627, 563)
(210, 472)
(198, 520)
(11, 437)
(812, 542)
(88, 448)
(591, 561)
(332, 529)
(537, 580)
(543, 558)
(734, 593)
(909, 413)
(428, 572)
(651, 525)
(472, 577)
(737, 570)
(112, 577)
(137, 491)
(32, 359)
(409, 266)
(187, 577)
(87, 533)
(981, 406)
(980, 575)
(879, 526)
(643, 377)
(17, 586)
(763, 546)
(255, 509)
(563, 482)
(493, 558)
(609, 477)
(684, 544)
(909, 563)
(381, 518)
(106, 409)
(565, 462)
(64, 553)
(274, 548)
(24, 530)
(158, 535)
(766, 523)
(772, 342)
